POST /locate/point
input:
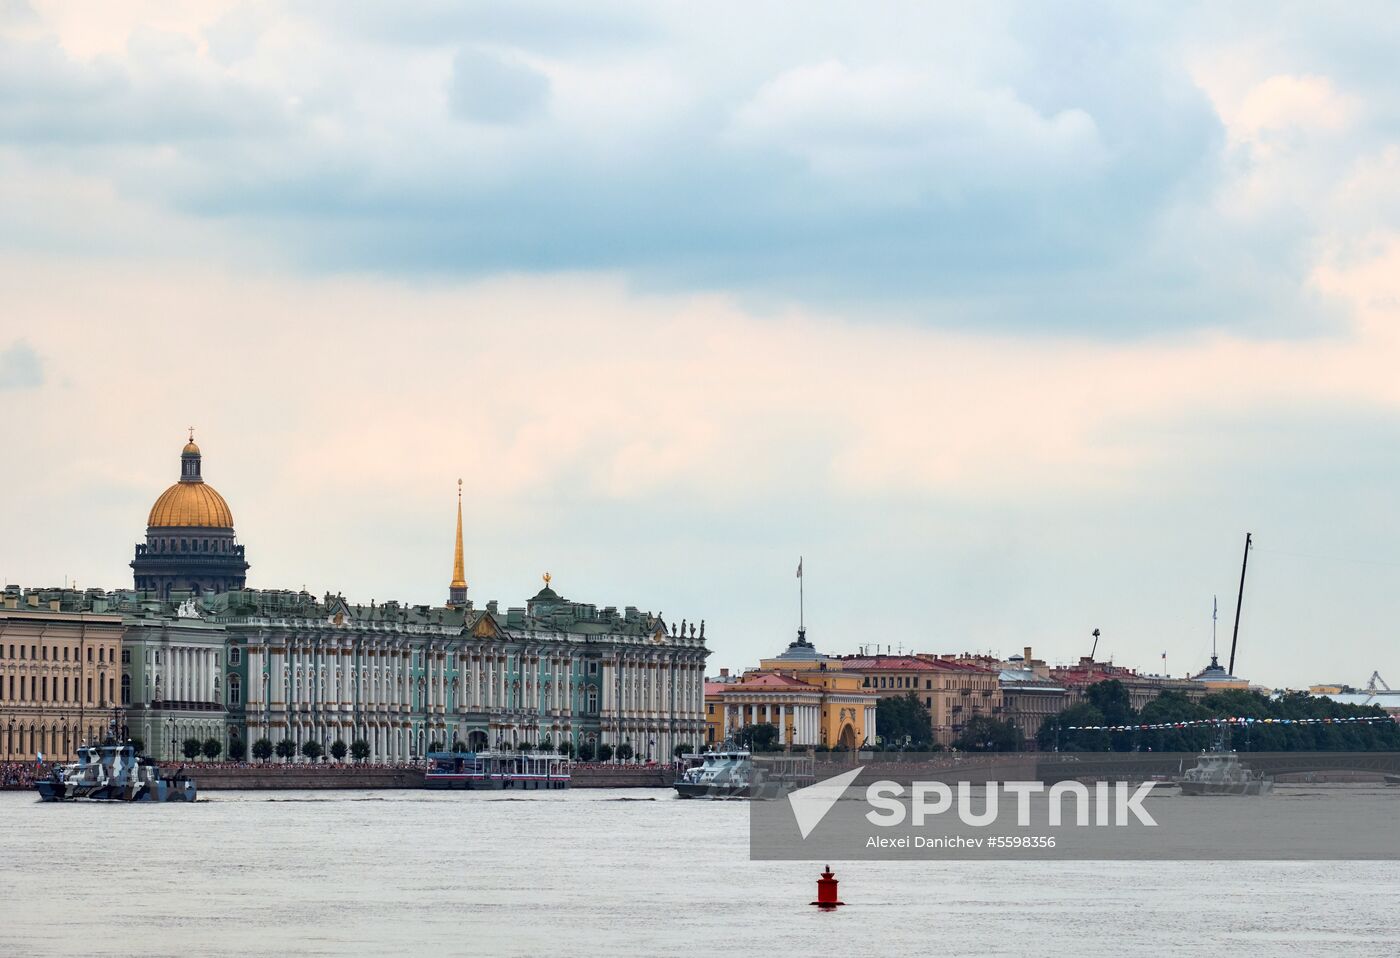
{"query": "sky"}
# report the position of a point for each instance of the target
(1011, 321)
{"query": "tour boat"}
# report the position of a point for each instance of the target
(113, 773)
(495, 770)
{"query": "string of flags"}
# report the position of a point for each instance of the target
(1236, 720)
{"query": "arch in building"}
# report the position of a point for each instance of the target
(847, 738)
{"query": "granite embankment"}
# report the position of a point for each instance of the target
(219, 776)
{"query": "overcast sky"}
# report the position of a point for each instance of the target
(1011, 320)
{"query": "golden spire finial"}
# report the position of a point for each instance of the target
(191, 434)
(459, 573)
(547, 577)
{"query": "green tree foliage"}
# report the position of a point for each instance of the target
(237, 749)
(1109, 706)
(985, 734)
(605, 752)
(903, 717)
(682, 749)
(191, 747)
(458, 745)
(262, 750)
(286, 749)
(762, 737)
(566, 747)
(338, 750)
(311, 749)
(212, 747)
(138, 744)
(435, 746)
(624, 752)
(359, 750)
(585, 752)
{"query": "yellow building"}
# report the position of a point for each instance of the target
(58, 677)
(953, 691)
(804, 694)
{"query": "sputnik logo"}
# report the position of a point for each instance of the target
(810, 804)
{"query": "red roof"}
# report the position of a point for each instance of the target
(714, 688)
(771, 680)
(885, 663)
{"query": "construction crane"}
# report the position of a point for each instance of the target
(1374, 681)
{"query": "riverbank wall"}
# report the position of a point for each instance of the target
(217, 777)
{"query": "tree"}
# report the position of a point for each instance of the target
(546, 745)
(262, 750)
(985, 734)
(566, 747)
(311, 749)
(191, 747)
(458, 745)
(137, 744)
(605, 752)
(1056, 734)
(212, 748)
(682, 749)
(338, 750)
(286, 749)
(624, 752)
(359, 750)
(901, 717)
(435, 746)
(237, 749)
(760, 738)
(585, 752)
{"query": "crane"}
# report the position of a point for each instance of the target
(1374, 681)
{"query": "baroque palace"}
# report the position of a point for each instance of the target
(202, 657)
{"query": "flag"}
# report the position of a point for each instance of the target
(799, 567)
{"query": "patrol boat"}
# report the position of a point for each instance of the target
(722, 774)
(1220, 772)
(114, 773)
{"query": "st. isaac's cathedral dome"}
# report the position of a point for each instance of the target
(191, 502)
(190, 544)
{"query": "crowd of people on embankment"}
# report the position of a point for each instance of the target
(17, 775)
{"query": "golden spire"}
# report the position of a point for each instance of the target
(459, 574)
(546, 578)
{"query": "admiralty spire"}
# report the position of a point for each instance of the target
(190, 544)
(457, 589)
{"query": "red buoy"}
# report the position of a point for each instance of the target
(826, 890)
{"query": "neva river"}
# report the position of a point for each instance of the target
(591, 872)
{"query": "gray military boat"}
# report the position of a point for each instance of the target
(114, 773)
(1220, 772)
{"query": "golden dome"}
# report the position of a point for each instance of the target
(190, 449)
(191, 504)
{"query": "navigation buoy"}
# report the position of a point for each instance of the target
(826, 890)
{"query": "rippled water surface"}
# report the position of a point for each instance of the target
(593, 872)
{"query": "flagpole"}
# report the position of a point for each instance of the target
(801, 598)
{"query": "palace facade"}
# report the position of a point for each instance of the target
(203, 657)
(58, 675)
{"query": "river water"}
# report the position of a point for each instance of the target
(600, 872)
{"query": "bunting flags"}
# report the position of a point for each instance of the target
(1238, 720)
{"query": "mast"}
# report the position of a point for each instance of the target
(1244, 567)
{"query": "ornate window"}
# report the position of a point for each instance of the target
(126, 690)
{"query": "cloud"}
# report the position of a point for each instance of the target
(1083, 172)
(20, 367)
(487, 88)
